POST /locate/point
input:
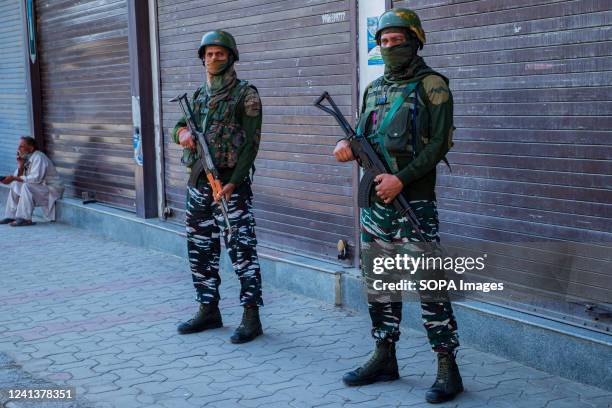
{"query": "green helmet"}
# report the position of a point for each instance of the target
(218, 37)
(400, 17)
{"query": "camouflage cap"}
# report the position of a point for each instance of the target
(400, 17)
(218, 37)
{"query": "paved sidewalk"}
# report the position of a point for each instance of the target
(99, 315)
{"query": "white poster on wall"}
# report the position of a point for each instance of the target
(370, 62)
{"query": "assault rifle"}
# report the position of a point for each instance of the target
(373, 166)
(205, 162)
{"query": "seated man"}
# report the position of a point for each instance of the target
(35, 183)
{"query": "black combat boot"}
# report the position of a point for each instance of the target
(250, 326)
(207, 317)
(382, 366)
(448, 381)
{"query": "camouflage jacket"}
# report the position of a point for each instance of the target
(414, 158)
(233, 130)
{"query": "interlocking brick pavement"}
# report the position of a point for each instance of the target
(100, 315)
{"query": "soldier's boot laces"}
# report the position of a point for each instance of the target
(250, 326)
(448, 382)
(382, 366)
(207, 317)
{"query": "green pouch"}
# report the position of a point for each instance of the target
(397, 134)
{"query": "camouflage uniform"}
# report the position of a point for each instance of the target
(382, 224)
(233, 129)
(203, 232)
(429, 111)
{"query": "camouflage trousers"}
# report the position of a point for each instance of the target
(203, 219)
(382, 225)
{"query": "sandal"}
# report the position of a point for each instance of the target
(20, 222)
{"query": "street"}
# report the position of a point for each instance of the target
(99, 315)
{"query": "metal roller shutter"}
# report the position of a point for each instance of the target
(292, 52)
(87, 110)
(532, 82)
(14, 104)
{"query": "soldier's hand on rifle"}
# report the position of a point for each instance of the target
(227, 191)
(185, 139)
(343, 151)
(388, 187)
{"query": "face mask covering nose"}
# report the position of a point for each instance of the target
(219, 67)
(399, 57)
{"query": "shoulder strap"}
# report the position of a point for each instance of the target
(194, 99)
(241, 87)
(380, 133)
(397, 105)
(206, 112)
(237, 95)
(197, 93)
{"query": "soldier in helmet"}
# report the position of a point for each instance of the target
(413, 140)
(228, 112)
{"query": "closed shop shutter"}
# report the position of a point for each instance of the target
(14, 105)
(531, 163)
(291, 51)
(87, 111)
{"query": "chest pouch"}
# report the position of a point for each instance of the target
(392, 134)
(397, 135)
(225, 134)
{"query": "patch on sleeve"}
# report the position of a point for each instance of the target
(252, 103)
(437, 90)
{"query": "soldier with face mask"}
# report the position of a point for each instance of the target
(228, 112)
(412, 136)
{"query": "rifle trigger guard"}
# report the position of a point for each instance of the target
(365, 188)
